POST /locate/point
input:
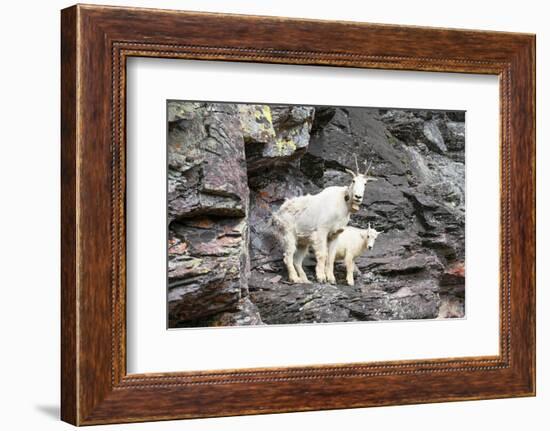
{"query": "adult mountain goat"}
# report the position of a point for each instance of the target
(308, 220)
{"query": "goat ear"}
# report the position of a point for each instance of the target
(371, 179)
(349, 171)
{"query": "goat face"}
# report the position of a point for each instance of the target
(370, 237)
(356, 190)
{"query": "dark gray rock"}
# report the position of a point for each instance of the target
(340, 134)
(452, 291)
(243, 313)
(417, 202)
(206, 161)
(231, 166)
(405, 126)
(455, 135)
(268, 191)
(407, 303)
(281, 303)
(433, 137)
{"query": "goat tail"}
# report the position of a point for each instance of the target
(276, 225)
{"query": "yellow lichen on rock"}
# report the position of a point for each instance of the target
(256, 123)
(266, 110)
(285, 146)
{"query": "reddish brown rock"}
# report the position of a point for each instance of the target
(207, 268)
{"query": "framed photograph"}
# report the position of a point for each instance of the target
(264, 215)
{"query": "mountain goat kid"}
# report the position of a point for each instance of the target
(308, 220)
(348, 245)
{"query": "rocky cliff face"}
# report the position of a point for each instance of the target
(230, 166)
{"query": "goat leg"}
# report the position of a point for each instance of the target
(349, 269)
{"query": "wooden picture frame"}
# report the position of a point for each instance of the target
(96, 41)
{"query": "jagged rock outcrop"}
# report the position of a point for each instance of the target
(225, 266)
(274, 135)
(206, 161)
(418, 203)
(323, 303)
(242, 313)
(208, 196)
(451, 291)
(207, 266)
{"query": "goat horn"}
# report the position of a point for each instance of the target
(368, 169)
(356, 164)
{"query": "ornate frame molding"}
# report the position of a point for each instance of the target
(96, 41)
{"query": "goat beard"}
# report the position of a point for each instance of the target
(353, 207)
